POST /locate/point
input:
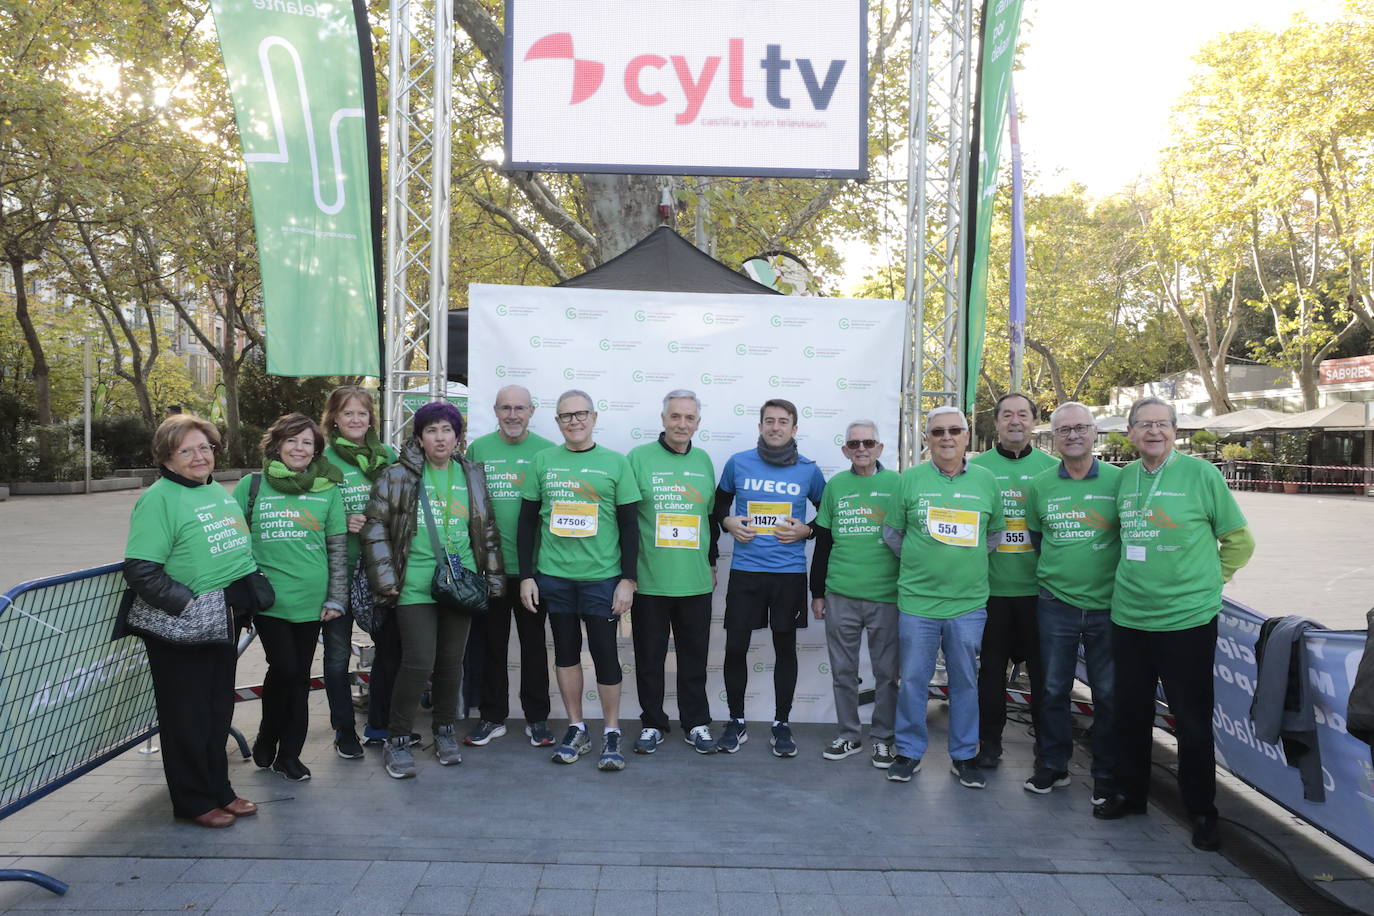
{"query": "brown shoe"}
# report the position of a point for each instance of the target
(241, 807)
(215, 817)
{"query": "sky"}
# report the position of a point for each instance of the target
(1098, 78)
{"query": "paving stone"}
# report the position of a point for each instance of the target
(249, 897)
(395, 877)
(686, 903)
(747, 903)
(315, 898)
(577, 876)
(754, 880)
(917, 884)
(816, 904)
(1142, 888)
(972, 884)
(628, 877)
(564, 901)
(501, 901)
(516, 876)
(1090, 887)
(211, 871)
(801, 881)
(872, 883)
(701, 880)
(1202, 887)
(880, 904)
(625, 901)
(452, 874)
(438, 900)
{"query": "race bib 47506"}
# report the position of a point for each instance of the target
(573, 519)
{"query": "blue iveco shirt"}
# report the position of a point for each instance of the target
(766, 494)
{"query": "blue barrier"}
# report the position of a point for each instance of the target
(1347, 815)
(70, 699)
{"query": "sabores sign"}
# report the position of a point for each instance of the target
(722, 88)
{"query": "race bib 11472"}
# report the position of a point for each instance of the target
(764, 517)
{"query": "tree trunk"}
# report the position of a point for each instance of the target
(233, 429)
(622, 209)
(41, 389)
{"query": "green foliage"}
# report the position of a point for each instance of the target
(122, 438)
(1203, 441)
(1120, 448)
(1293, 449)
(1234, 451)
(263, 398)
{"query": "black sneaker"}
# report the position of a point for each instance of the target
(969, 775)
(291, 768)
(485, 731)
(264, 752)
(1206, 835)
(841, 748)
(903, 768)
(732, 736)
(989, 756)
(1044, 780)
(883, 754)
(539, 734)
(1117, 806)
(782, 742)
(374, 737)
(346, 744)
(1103, 789)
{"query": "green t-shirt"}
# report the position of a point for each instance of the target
(1080, 535)
(288, 542)
(1169, 576)
(578, 493)
(447, 491)
(674, 519)
(1011, 568)
(197, 533)
(507, 466)
(947, 520)
(855, 508)
(354, 490)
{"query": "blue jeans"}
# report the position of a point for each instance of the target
(1061, 627)
(919, 639)
(338, 649)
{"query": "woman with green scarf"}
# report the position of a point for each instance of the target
(350, 426)
(297, 525)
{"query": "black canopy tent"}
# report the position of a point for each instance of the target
(662, 261)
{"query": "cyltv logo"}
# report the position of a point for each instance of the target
(641, 84)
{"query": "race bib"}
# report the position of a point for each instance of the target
(1135, 553)
(955, 527)
(764, 517)
(1016, 538)
(573, 520)
(682, 532)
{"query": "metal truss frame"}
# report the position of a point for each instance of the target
(939, 132)
(418, 175)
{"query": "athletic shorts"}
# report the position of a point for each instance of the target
(571, 596)
(754, 600)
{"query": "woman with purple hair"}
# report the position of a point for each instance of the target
(400, 559)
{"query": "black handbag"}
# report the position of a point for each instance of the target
(206, 621)
(455, 587)
(362, 604)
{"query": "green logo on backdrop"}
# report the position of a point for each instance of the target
(844, 324)
(809, 352)
(776, 321)
(841, 384)
(534, 341)
(637, 375)
(705, 378)
(604, 343)
(502, 310)
(823, 667)
(639, 315)
(672, 346)
(806, 412)
(568, 374)
(741, 410)
(773, 381)
(602, 404)
(708, 318)
(741, 349)
(501, 371)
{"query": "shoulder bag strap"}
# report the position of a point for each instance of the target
(253, 489)
(439, 550)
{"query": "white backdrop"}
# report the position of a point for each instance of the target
(836, 359)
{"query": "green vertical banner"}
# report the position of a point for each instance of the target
(296, 75)
(1001, 21)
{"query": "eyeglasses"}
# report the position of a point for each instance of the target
(573, 415)
(865, 443)
(1082, 429)
(185, 453)
(512, 408)
(938, 432)
(1153, 424)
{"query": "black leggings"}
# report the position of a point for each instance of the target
(567, 644)
(784, 671)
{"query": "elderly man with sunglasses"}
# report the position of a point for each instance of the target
(940, 525)
(1071, 515)
(1182, 536)
(854, 589)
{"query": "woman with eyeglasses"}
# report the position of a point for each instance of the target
(350, 428)
(188, 538)
(296, 519)
(400, 559)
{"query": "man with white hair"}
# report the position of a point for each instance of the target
(854, 590)
(677, 558)
(1071, 515)
(939, 525)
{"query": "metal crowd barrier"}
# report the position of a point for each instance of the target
(70, 699)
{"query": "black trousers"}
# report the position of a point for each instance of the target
(194, 687)
(290, 650)
(784, 671)
(1011, 634)
(386, 661)
(689, 619)
(491, 637)
(1182, 661)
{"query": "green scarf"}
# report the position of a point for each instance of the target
(318, 475)
(371, 457)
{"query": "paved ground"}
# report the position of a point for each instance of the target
(676, 832)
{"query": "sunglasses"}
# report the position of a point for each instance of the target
(866, 443)
(944, 431)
